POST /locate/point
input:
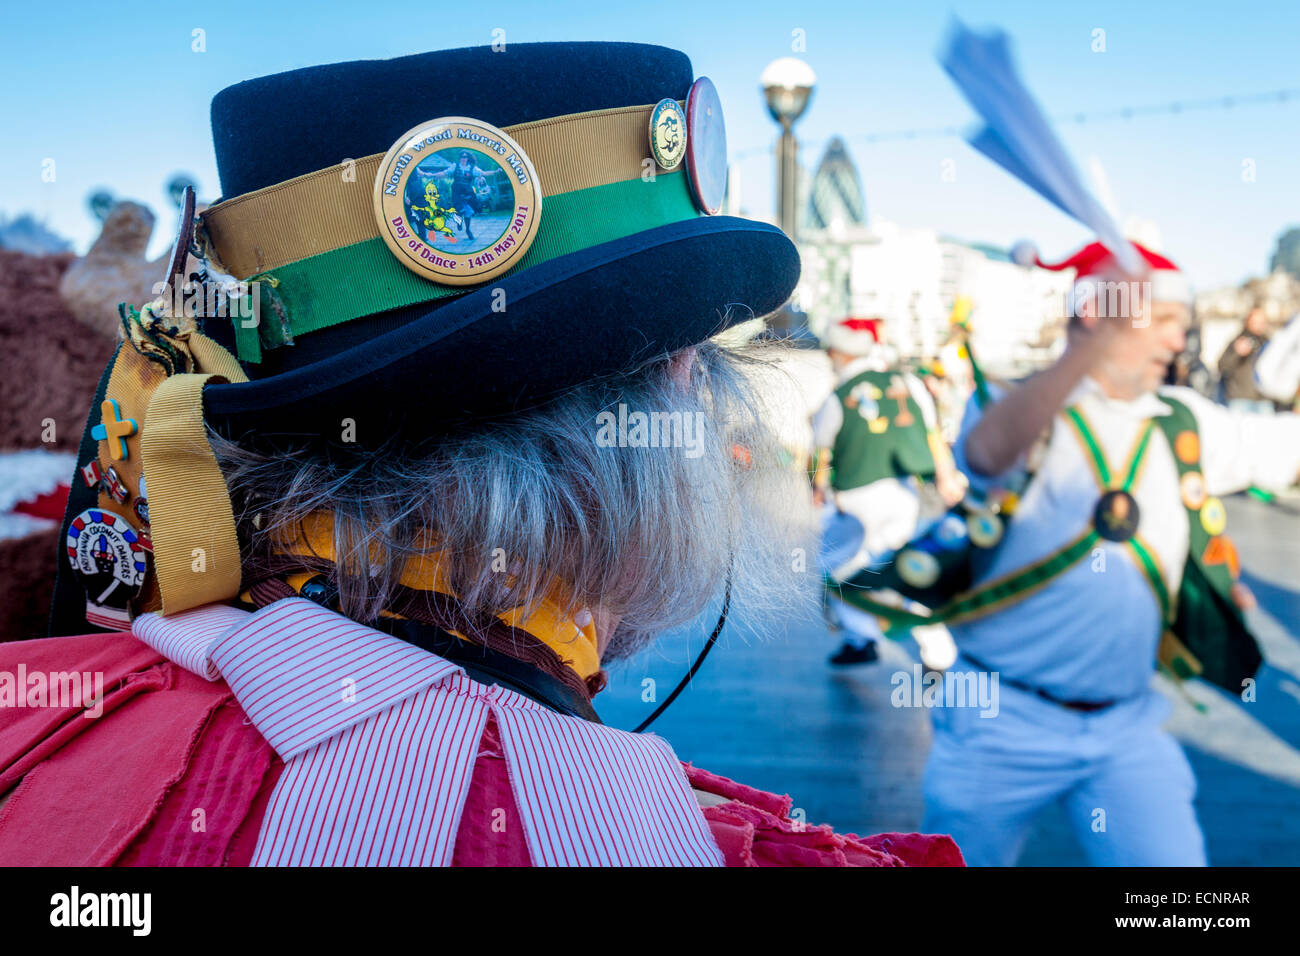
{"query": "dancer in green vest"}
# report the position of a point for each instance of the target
(881, 463)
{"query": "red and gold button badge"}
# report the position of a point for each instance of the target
(706, 147)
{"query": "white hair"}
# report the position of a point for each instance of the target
(542, 504)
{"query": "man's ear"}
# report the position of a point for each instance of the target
(1084, 306)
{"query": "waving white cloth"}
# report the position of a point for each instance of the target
(1017, 136)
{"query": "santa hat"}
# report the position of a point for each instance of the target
(1168, 284)
(853, 336)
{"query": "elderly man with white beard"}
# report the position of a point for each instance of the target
(388, 547)
(1114, 562)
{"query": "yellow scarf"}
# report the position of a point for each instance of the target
(575, 645)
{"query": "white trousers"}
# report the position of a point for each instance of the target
(860, 628)
(889, 510)
(890, 513)
(1125, 784)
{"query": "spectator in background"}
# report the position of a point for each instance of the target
(1277, 371)
(879, 455)
(1237, 365)
(1188, 369)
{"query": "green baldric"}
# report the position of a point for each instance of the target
(1019, 584)
(1209, 637)
(1142, 553)
(1204, 635)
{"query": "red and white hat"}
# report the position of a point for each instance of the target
(1168, 284)
(853, 336)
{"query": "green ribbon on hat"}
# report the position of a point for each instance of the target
(365, 278)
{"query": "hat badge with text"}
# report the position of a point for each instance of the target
(457, 200)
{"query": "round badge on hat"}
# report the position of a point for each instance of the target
(1192, 488)
(457, 200)
(1214, 517)
(108, 558)
(1116, 515)
(706, 147)
(668, 133)
(918, 568)
(985, 529)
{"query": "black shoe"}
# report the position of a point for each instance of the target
(850, 654)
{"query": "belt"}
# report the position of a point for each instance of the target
(1082, 706)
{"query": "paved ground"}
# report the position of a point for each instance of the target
(773, 715)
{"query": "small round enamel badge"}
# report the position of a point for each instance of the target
(985, 529)
(1116, 516)
(1192, 489)
(457, 201)
(668, 133)
(706, 147)
(918, 568)
(1214, 517)
(1187, 446)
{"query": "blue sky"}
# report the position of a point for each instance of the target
(118, 99)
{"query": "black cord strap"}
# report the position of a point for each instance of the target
(708, 646)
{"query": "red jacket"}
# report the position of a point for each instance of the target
(172, 773)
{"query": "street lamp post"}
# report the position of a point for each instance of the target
(787, 87)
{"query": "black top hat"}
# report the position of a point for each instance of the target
(427, 359)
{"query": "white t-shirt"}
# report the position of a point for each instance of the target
(1092, 633)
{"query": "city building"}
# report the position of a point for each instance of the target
(834, 199)
(911, 277)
